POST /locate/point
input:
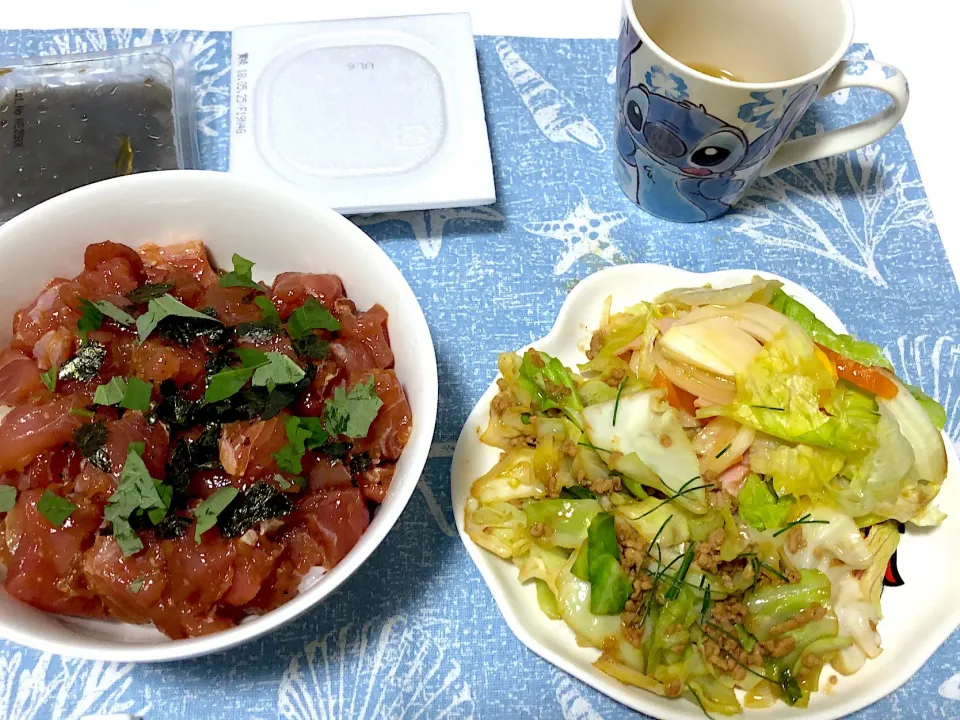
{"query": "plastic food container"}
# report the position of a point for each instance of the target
(67, 121)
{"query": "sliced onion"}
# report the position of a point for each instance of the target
(716, 345)
(761, 322)
(759, 289)
(699, 383)
(930, 454)
(605, 312)
(722, 444)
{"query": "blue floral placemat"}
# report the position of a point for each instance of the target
(415, 632)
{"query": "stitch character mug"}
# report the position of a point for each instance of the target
(709, 92)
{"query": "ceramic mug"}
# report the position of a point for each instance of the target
(690, 143)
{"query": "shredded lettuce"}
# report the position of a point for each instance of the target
(795, 469)
(760, 507)
(783, 389)
(861, 351)
(934, 410)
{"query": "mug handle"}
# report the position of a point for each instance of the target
(879, 76)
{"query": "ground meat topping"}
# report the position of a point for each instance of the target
(795, 541)
(728, 612)
(707, 552)
(596, 344)
(814, 612)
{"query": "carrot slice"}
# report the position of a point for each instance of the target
(869, 378)
(678, 398)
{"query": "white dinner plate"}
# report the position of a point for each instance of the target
(918, 616)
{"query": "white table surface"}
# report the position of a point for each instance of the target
(918, 36)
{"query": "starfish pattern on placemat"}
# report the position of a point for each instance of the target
(584, 231)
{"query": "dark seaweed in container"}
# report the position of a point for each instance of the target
(60, 137)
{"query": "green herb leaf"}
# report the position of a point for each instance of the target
(136, 585)
(138, 447)
(241, 276)
(82, 412)
(282, 481)
(279, 370)
(804, 520)
(92, 438)
(90, 319)
(146, 293)
(673, 592)
(318, 435)
(55, 508)
(311, 316)
(352, 413)
(50, 378)
(616, 405)
(161, 308)
(114, 313)
(85, 364)
(209, 510)
(8, 498)
(136, 493)
(126, 537)
(226, 383)
(290, 455)
(270, 316)
(251, 357)
(137, 395)
(110, 393)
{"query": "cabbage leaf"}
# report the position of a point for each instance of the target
(861, 351)
(760, 507)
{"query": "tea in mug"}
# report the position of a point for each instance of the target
(714, 71)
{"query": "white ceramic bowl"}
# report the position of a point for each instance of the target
(280, 232)
(918, 616)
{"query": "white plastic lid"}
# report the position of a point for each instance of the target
(371, 115)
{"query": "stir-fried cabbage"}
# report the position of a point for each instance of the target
(835, 547)
(641, 437)
(712, 500)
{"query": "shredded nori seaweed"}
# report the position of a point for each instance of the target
(148, 292)
(172, 527)
(360, 463)
(256, 332)
(260, 502)
(311, 347)
(335, 450)
(188, 457)
(173, 408)
(184, 330)
(92, 438)
(85, 364)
